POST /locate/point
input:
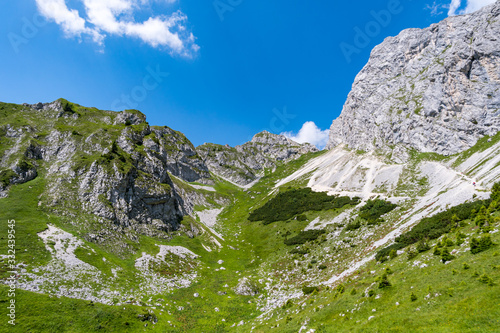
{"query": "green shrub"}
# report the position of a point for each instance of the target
(465, 266)
(322, 266)
(448, 242)
(288, 304)
(481, 244)
(435, 226)
(341, 288)
(446, 256)
(309, 290)
(411, 254)
(289, 203)
(384, 282)
(413, 297)
(67, 106)
(383, 253)
(460, 238)
(371, 293)
(374, 209)
(353, 225)
(301, 217)
(353, 291)
(422, 246)
(486, 280)
(299, 251)
(304, 236)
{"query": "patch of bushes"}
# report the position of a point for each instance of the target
(293, 202)
(353, 225)
(299, 251)
(393, 248)
(433, 227)
(374, 209)
(309, 290)
(422, 246)
(481, 244)
(117, 156)
(304, 236)
(486, 280)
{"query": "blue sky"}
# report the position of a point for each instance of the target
(219, 71)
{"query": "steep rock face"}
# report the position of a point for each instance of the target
(243, 164)
(435, 90)
(112, 166)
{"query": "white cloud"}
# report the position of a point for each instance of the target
(454, 5)
(310, 133)
(116, 17)
(472, 6)
(436, 8)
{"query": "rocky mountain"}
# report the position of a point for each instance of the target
(245, 163)
(433, 89)
(125, 175)
(123, 226)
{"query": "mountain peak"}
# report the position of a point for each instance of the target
(433, 89)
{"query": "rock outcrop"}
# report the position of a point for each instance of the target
(433, 89)
(112, 166)
(118, 174)
(243, 164)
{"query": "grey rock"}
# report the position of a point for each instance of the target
(246, 287)
(243, 164)
(434, 89)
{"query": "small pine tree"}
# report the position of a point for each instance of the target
(341, 288)
(384, 282)
(445, 255)
(393, 254)
(437, 251)
(486, 280)
(411, 254)
(447, 242)
(482, 217)
(422, 246)
(481, 244)
(495, 192)
(353, 291)
(413, 297)
(455, 221)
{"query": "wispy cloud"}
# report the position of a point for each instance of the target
(116, 17)
(309, 133)
(470, 6)
(436, 8)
